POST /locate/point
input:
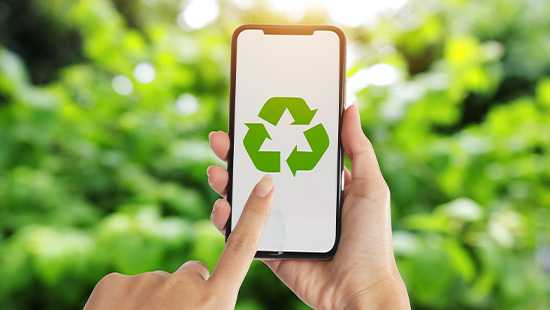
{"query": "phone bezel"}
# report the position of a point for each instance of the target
(290, 30)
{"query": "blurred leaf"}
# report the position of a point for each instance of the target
(97, 177)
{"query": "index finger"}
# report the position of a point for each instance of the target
(243, 241)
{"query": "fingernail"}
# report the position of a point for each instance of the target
(210, 135)
(349, 105)
(263, 188)
(208, 171)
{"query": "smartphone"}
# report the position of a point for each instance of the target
(287, 96)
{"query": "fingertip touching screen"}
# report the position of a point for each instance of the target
(286, 123)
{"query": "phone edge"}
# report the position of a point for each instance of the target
(340, 164)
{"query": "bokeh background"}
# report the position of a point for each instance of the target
(105, 108)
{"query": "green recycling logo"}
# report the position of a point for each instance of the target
(271, 112)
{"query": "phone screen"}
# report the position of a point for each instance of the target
(286, 123)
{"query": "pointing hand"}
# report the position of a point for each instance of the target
(192, 286)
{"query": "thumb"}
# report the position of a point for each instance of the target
(366, 178)
(366, 210)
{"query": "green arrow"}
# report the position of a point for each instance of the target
(263, 161)
(274, 108)
(318, 141)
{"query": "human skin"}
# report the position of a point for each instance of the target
(363, 273)
(192, 286)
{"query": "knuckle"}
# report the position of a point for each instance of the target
(176, 279)
(198, 265)
(256, 209)
(161, 273)
(113, 277)
(362, 148)
(242, 243)
(155, 274)
(148, 274)
(189, 271)
(357, 152)
(379, 193)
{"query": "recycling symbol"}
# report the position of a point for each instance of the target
(271, 112)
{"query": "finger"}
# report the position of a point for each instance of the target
(347, 181)
(219, 142)
(367, 180)
(217, 178)
(220, 214)
(195, 267)
(243, 242)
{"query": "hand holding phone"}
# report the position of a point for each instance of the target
(363, 272)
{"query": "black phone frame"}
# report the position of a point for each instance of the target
(290, 30)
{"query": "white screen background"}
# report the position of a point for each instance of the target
(303, 216)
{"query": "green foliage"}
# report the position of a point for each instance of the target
(94, 180)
